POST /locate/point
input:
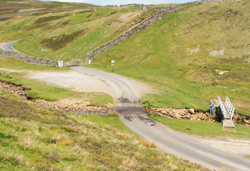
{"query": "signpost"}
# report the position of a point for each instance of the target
(112, 64)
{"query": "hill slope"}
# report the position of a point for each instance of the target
(185, 53)
(32, 137)
(70, 30)
(191, 56)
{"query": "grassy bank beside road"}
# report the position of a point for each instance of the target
(32, 137)
(204, 128)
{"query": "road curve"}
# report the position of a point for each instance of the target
(179, 144)
(8, 46)
(166, 139)
(125, 89)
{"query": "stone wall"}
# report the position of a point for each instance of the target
(144, 24)
(138, 28)
(29, 59)
(211, 1)
(180, 6)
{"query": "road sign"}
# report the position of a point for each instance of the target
(112, 64)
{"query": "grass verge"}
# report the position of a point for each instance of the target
(203, 128)
(32, 137)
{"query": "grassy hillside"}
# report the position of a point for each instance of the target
(70, 32)
(183, 54)
(191, 56)
(33, 138)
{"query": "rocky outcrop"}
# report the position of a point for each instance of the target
(29, 59)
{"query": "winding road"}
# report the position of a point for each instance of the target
(8, 46)
(128, 91)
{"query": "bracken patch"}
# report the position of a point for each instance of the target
(57, 43)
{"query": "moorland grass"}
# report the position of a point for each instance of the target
(174, 55)
(32, 137)
(204, 128)
(57, 33)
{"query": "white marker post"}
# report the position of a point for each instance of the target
(112, 64)
(43, 52)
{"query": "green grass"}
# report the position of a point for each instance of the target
(32, 137)
(68, 34)
(173, 55)
(112, 120)
(100, 99)
(204, 128)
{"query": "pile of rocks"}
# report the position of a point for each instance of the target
(29, 59)
(188, 114)
(67, 105)
(16, 89)
(74, 106)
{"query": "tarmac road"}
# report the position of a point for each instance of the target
(8, 46)
(179, 144)
(170, 141)
(185, 146)
(125, 90)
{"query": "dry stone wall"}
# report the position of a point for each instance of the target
(144, 24)
(29, 59)
(211, 1)
(137, 29)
